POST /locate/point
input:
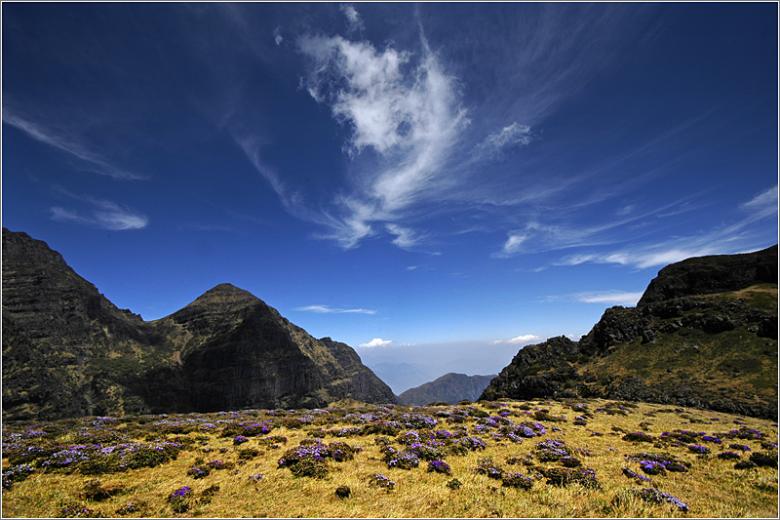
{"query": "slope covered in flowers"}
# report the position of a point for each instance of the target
(489, 459)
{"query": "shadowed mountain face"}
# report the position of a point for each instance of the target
(704, 334)
(450, 388)
(712, 274)
(68, 351)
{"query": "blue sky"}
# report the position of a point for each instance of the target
(421, 178)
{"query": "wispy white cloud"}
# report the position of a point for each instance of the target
(326, 309)
(764, 204)
(376, 342)
(536, 236)
(278, 38)
(69, 143)
(514, 242)
(610, 297)
(732, 238)
(354, 20)
(405, 238)
(641, 257)
(406, 112)
(103, 214)
(510, 136)
(517, 340)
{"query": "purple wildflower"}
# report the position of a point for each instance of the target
(517, 480)
(636, 476)
(698, 448)
(181, 492)
(439, 466)
(382, 481)
(651, 467)
(657, 496)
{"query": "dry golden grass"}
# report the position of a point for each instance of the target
(712, 487)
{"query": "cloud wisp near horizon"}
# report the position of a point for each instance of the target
(391, 170)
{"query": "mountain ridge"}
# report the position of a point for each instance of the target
(450, 388)
(706, 311)
(69, 351)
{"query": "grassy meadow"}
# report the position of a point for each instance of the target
(592, 458)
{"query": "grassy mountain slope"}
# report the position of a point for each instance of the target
(691, 345)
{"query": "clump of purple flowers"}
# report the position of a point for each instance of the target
(216, 464)
(699, 449)
(16, 474)
(657, 496)
(406, 459)
(680, 436)
(181, 492)
(239, 439)
(712, 439)
(78, 511)
(740, 447)
(746, 433)
(668, 462)
(381, 481)
(652, 467)
(67, 457)
(636, 476)
(552, 450)
(418, 420)
(517, 480)
(197, 472)
(472, 443)
(308, 460)
(439, 466)
(179, 499)
(487, 467)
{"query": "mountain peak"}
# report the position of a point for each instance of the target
(227, 288)
(226, 350)
(226, 293)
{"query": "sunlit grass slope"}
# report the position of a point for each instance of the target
(646, 460)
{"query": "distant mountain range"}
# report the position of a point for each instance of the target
(704, 334)
(68, 351)
(450, 388)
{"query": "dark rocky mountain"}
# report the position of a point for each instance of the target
(704, 334)
(712, 274)
(68, 351)
(450, 388)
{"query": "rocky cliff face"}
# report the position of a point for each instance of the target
(704, 334)
(68, 351)
(450, 388)
(712, 274)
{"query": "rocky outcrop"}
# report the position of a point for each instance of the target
(712, 274)
(450, 388)
(713, 349)
(68, 351)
